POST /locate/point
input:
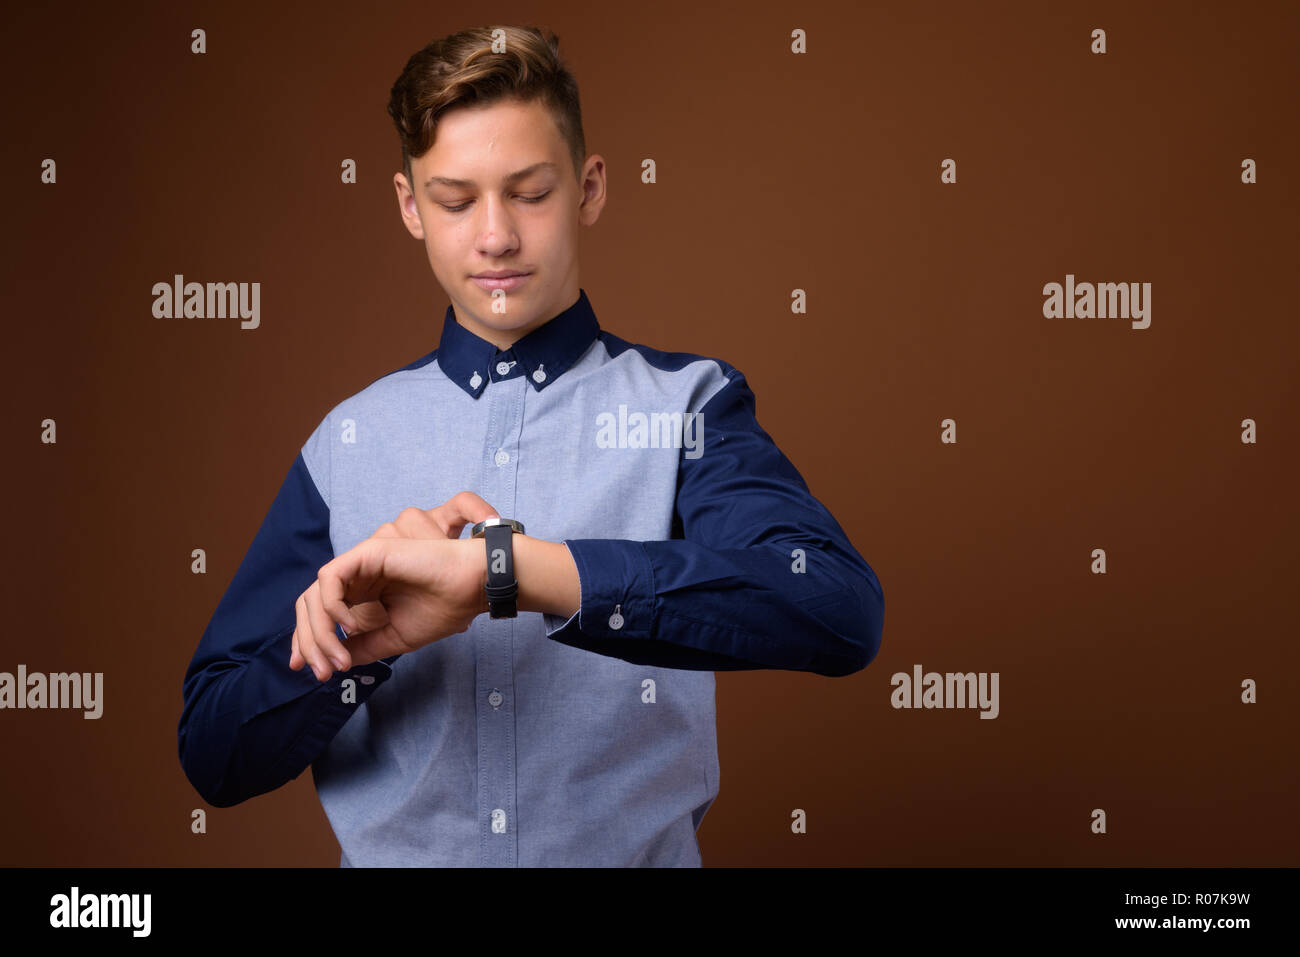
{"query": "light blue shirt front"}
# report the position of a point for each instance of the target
(533, 741)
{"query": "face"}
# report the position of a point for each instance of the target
(497, 193)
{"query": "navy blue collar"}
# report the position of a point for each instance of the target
(542, 355)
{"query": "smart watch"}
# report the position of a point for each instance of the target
(502, 589)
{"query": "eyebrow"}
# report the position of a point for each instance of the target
(467, 183)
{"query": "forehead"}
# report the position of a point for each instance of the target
(486, 143)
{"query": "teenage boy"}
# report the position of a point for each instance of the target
(538, 690)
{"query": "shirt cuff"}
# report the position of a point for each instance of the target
(269, 683)
(617, 591)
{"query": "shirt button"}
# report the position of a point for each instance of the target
(495, 698)
(503, 368)
(475, 380)
(539, 376)
(616, 620)
(498, 821)
(367, 679)
(502, 457)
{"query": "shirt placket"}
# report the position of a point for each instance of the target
(494, 637)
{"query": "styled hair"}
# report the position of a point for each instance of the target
(462, 69)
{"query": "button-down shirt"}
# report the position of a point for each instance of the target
(536, 740)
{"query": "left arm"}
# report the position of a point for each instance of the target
(762, 577)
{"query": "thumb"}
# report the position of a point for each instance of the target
(365, 647)
(369, 615)
(461, 509)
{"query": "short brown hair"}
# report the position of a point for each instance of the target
(462, 68)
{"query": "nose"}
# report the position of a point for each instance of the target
(496, 228)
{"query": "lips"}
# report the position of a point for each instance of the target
(506, 279)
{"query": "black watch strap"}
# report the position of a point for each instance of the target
(502, 588)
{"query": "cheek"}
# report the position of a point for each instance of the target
(443, 244)
(554, 235)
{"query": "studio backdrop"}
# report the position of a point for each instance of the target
(1011, 283)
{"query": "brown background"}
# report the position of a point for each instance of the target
(775, 171)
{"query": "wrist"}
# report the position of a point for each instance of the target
(547, 576)
(480, 564)
(545, 572)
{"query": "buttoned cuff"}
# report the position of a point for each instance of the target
(269, 683)
(617, 591)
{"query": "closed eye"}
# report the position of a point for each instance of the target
(465, 205)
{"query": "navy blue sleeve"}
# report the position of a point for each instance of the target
(761, 577)
(249, 723)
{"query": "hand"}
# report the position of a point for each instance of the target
(421, 592)
(429, 589)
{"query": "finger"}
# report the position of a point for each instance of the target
(354, 577)
(296, 658)
(331, 586)
(323, 627)
(307, 641)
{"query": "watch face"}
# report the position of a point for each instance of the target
(478, 529)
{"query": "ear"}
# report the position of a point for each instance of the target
(406, 206)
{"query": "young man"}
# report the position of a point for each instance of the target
(448, 718)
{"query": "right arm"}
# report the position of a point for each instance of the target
(249, 723)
